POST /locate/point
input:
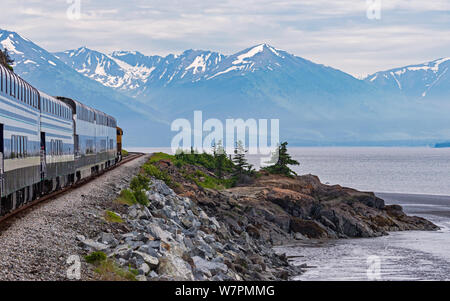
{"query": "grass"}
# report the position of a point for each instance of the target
(156, 157)
(205, 181)
(110, 271)
(113, 217)
(153, 171)
(95, 257)
(124, 153)
(126, 197)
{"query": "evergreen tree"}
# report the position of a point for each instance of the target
(220, 158)
(5, 59)
(282, 161)
(239, 160)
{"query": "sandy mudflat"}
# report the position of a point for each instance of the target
(438, 205)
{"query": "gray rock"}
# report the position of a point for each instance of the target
(141, 278)
(299, 236)
(155, 244)
(187, 223)
(144, 268)
(159, 233)
(107, 238)
(150, 260)
(133, 213)
(213, 267)
(97, 246)
(175, 268)
(80, 237)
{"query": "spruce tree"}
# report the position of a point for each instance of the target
(282, 161)
(220, 158)
(5, 59)
(239, 160)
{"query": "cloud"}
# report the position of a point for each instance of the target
(335, 33)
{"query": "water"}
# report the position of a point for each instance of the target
(420, 175)
(409, 255)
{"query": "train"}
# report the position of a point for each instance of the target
(48, 143)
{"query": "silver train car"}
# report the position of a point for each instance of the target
(47, 143)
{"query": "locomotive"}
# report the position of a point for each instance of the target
(47, 143)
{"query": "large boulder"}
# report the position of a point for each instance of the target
(175, 268)
(309, 228)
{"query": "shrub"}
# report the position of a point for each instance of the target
(139, 182)
(153, 171)
(127, 197)
(95, 257)
(109, 270)
(124, 153)
(141, 197)
(156, 157)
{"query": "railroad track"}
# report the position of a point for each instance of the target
(42, 199)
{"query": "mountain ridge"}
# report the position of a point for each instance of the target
(316, 104)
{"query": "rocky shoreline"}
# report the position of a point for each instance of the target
(196, 233)
(174, 239)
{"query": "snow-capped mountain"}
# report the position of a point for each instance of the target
(106, 69)
(429, 80)
(48, 73)
(141, 76)
(315, 104)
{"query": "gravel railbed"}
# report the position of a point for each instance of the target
(36, 244)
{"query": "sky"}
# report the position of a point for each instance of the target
(356, 36)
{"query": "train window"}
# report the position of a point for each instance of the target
(3, 78)
(6, 82)
(56, 147)
(19, 146)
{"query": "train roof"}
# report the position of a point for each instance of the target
(5, 70)
(45, 95)
(76, 104)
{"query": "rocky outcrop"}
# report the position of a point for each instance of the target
(277, 208)
(175, 239)
(196, 233)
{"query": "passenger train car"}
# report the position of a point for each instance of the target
(47, 143)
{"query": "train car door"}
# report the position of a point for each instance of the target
(2, 151)
(43, 156)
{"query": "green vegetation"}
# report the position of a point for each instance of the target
(124, 153)
(206, 181)
(113, 217)
(225, 171)
(109, 270)
(141, 197)
(126, 197)
(241, 167)
(139, 182)
(95, 257)
(281, 160)
(153, 171)
(5, 59)
(156, 157)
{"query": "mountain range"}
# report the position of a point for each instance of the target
(316, 104)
